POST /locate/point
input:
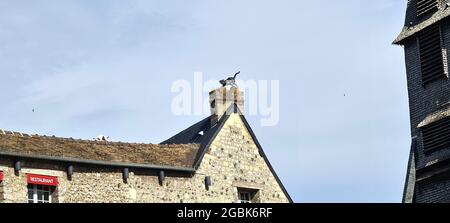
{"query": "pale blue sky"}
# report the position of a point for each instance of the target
(106, 67)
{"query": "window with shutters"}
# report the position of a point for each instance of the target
(436, 135)
(431, 53)
(426, 7)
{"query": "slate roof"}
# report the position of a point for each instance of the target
(174, 155)
(434, 117)
(192, 135)
(411, 30)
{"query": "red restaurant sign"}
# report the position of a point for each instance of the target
(42, 180)
(1, 175)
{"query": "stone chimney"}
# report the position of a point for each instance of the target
(222, 98)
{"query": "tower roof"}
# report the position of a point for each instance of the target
(414, 25)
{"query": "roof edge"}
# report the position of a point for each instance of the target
(98, 162)
(408, 189)
(234, 108)
(442, 166)
(434, 117)
(67, 139)
(408, 32)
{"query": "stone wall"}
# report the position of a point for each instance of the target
(232, 161)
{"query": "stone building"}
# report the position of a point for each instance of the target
(425, 38)
(217, 159)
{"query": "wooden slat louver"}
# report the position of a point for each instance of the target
(437, 135)
(425, 7)
(431, 61)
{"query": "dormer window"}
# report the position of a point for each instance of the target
(426, 7)
(432, 54)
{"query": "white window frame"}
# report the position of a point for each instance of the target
(246, 194)
(44, 189)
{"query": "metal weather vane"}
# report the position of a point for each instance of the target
(231, 81)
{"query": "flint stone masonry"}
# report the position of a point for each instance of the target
(233, 160)
(222, 98)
